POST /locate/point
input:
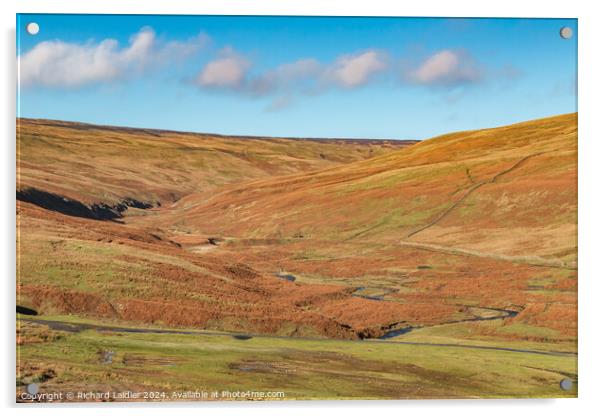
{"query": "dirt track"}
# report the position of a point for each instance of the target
(77, 327)
(470, 191)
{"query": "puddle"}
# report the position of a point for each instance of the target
(286, 276)
(242, 337)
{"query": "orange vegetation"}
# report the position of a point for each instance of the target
(376, 235)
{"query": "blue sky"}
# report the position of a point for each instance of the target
(404, 78)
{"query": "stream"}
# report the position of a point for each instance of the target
(504, 313)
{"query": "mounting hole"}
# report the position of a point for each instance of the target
(566, 32)
(566, 384)
(32, 28)
(33, 389)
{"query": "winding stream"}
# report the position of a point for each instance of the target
(503, 314)
(77, 327)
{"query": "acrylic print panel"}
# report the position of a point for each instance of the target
(295, 208)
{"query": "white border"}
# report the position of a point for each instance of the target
(590, 174)
(468, 8)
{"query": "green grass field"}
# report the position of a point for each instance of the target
(301, 369)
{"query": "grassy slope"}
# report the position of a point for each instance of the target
(516, 186)
(141, 274)
(513, 192)
(105, 269)
(127, 268)
(92, 163)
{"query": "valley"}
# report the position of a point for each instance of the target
(381, 263)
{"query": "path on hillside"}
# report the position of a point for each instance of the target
(530, 260)
(470, 190)
(77, 327)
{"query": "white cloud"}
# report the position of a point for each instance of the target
(232, 72)
(228, 70)
(355, 70)
(62, 64)
(140, 47)
(447, 67)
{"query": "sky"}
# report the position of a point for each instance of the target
(398, 78)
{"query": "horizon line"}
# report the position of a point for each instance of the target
(149, 130)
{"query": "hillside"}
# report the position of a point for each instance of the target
(509, 191)
(475, 230)
(142, 167)
(70, 175)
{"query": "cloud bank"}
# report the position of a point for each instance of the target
(61, 64)
(231, 71)
(447, 68)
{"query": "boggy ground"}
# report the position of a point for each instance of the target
(465, 239)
